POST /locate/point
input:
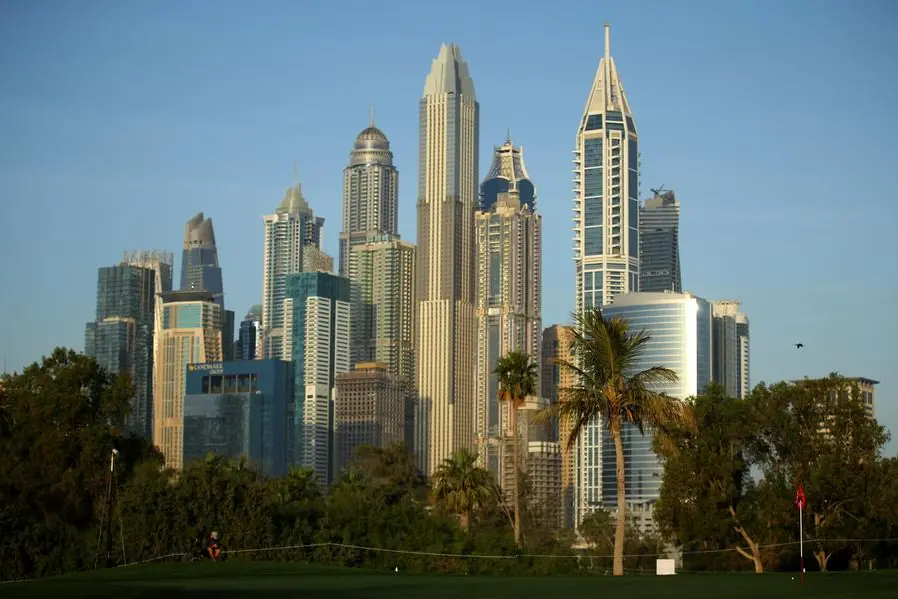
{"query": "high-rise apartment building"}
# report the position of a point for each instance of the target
(606, 223)
(190, 334)
(369, 409)
(556, 345)
(449, 125)
(508, 262)
(121, 336)
(659, 244)
(730, 365)
(317, 328)
(370, 193)
(292, 245)
(679, 327)
(382, 282)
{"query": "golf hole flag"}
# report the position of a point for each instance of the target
(799, 497)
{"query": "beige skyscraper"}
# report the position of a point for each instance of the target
(556, 345)
(508, 257)
(449, 124)
(190, 334)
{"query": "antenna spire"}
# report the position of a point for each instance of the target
(607, 40)
(508, 135)
(371, 123)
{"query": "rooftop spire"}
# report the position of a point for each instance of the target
(508, 135)
(607, 40)
(371, 119)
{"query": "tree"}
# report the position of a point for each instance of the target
(817, 433)
(707, 497)
(516, 375)
(462, 487)
(610, 386)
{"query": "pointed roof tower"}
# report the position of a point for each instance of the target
(449, 74)
(607, 92)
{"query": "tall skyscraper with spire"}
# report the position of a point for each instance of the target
(449, 125)
(508, 257)
(606, 229)
(370, 192)
(292, 245)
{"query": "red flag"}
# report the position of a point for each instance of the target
(800, 500)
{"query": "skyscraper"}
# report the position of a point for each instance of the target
(316, 324)
(200, 271)
(679, 327)
(449, 118)
(730, 366)
(121, 337)
(288, 232)
(249, 337)
(370, 192)
(606, 187)
(659, 244)
(190, 334)
(556, 345)
(508, 262)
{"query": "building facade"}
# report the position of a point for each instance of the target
(659, 244)
(190, 334)
(121, 336)
(292, 232)
(449, 125)
(606, 222)
(370, 193)
(239, 410)
(508, 259)
(679, 327)
(544, 473)
(369, 409)
(249, 337)
(317, 326)
(556, 345)
(730, 366)
(382, 289)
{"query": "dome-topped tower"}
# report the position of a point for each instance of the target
(371, 146)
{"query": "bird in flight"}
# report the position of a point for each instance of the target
(799, 345)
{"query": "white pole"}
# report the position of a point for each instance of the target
(801, 537)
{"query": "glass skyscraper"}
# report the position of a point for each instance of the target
(121, 336)
(659, 244)
(249, 346)
(730, 366)
(679, 327)
(316, 322)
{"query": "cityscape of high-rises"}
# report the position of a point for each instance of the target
(398, 342)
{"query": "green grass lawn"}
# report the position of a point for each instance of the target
(269, 580)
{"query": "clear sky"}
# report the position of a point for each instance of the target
(774, 122)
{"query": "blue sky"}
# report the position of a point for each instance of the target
(773, 121)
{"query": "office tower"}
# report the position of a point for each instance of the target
(556, 345)
(288, 233)
(508, 263)
(121, 336)
(239, 410)
(317, 328)
(730, 349)
(544, 473)
(190, 334)
(606, 215)
(679, 327)
(200, 271)
(382, 282)
(449, 118)
(249, 338)
(659, 243)
(369, 409)
(857, 388)
(370, 192)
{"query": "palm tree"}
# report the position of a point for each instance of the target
(462, 486)
(517, 379)
(606, 356)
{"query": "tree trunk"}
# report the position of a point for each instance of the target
(464, 519)
(516, 491)
(755, 554)
(621, 500)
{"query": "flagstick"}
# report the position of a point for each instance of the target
(801, 542)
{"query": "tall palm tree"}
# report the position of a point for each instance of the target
(606, 356)
(461, 486)
(517, 379)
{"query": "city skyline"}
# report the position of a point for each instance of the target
(775, 301)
